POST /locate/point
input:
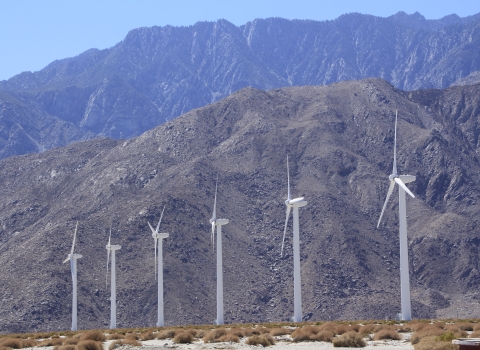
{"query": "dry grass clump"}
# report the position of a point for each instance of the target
(276, 332)
(261, 339)
(148, 335)
(475, 334)
(305, 333)
(229, 338)
(183, 338)
(323, 336)
(50, 342)
(329, 326)
(70, 341)
(93, 335)
(354, 327)
(13, 343)
(367, 329)
(476, 327)
(166, 334)
(248, 332)
(387, 334)
(65, 347)
(214, 334)
(428, 331)
(121, 342)
(131, 336)
(30, 343)
(465, 326)
(432, 343)
(349, 340)
(342, 328)
(89, 345)
(201, 333)
(115, 336)
(239, 332)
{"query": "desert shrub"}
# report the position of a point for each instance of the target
(323, 336)
(192, 331)
(341, 329)
(329, 326)
(183, 338)
(367, 329)
(476, 327)
(465, 326)
(387, 334)
(276, 332)
(131, 336)
(247, 332)
(475, 334)
(355, 327)
(239, 332)
(432, 343)
(349, 340)
(115, 336)
(5, 347)
(148, 335)
(89, 345)
(70, 341)
(13, 343)
(429, 331)
(305, 333)
(50, 342)
(165, 334)
(201, 333)
(263, 330)
(65, 347)
(30, 343)
(261, 339)
(93, 335)
(214, 334)
(229, 338)
(121, 342)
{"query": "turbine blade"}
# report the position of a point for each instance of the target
(108, 257)
(389, 193)
(159, 221)
(405, 188)
(285, 229)
(64, 261)
(288, 177)
(151, 228)
(214, 216)
(395, 147)
(155, 258)
(74, 236)
(71, 268)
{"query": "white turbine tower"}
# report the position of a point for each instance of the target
(158, 237)
(297, 284)
(113, 284)
(401, 180)
(218, 223)
(73, 267)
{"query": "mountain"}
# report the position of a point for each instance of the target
(340, 142)
(156, 74)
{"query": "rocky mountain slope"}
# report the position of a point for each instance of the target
(158, 73)
(340, 142)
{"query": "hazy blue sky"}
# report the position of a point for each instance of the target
(34, 33)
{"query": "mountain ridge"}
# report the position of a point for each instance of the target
(339, 139)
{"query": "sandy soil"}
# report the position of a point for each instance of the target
(281, 345)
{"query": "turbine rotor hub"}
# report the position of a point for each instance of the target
(392, 177)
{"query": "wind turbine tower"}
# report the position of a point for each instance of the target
(158, 237)
(297, 283)
(113, 282)
(401, 180)
(72, 257)
(218, 223)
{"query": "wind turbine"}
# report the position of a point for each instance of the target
(297, 284)
(401, 180)
(158, 237)
(113, 284)
(73, 267)
(218, 223)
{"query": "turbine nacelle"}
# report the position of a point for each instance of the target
(297, 202)
(160, 235)
(113, 247)
(72, 257)
(220, 222)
